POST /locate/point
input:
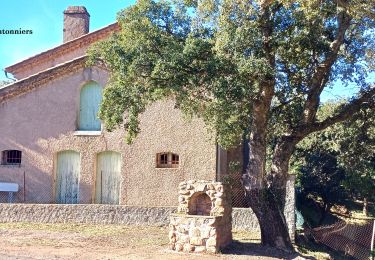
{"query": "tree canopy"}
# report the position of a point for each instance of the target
(247, 68)
(209, 55)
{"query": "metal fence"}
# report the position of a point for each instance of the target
(13, 189)
(237, 192)
(31, 190)
(355, 240)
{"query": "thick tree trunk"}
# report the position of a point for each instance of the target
(273, 227)
(263, 197)
(280, 160)
(365, 206)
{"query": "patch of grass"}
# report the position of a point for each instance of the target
(246, 236)
(356, 209)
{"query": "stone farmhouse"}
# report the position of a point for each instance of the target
(56, 149)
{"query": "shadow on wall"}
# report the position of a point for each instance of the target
(36, 185)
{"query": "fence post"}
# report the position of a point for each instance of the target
(101, 187)
(24, 187)
(372, 240)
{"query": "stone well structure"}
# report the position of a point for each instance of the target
(203, 222)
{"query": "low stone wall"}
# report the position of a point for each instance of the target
(242, 218)
(192, 233)
(204, 220)
(85, 213)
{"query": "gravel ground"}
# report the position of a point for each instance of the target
(77, 241)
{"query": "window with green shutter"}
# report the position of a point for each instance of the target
(90, 98)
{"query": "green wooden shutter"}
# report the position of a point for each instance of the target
(67, 184)
(108, 178)
(91, 96)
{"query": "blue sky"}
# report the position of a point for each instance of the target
(45, 19)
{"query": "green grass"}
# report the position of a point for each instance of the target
(356, 208)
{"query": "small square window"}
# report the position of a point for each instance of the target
(167, 160)
(11, 157)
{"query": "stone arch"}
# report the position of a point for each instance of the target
(200, 204)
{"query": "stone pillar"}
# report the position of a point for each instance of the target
(290, 202)
(76, 22)
(203, 222)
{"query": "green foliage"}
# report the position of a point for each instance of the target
(340, 160)
(322, 177)
(4, 83)
(234, 168)
(209, 56)
(357, 154)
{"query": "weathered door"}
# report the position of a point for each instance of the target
(108, 178)
(67, 184)
(91, 96)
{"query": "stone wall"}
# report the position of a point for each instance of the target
(242, 218)
(290, 202)
(203, 222)
(85, 213)
(192, 233)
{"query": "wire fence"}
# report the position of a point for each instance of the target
(31, 190)
(12, 188)
(237, 192)
(355, 240)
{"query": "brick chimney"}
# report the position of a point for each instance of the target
(76, 22)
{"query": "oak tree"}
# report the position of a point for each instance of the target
(253, 68)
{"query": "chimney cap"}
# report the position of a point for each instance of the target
(76, 10)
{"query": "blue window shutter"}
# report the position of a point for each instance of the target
(91, 96)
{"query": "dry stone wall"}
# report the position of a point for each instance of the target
(191, 233)
(203, 222)
(242, 218)
(85, 213)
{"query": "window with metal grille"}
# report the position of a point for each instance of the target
(11, 157)
(167, 160)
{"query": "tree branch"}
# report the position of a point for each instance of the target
(322, 72)
(346, 112)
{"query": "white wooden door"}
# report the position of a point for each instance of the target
(108, 178)
(67, 184)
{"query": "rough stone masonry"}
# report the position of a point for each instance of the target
(203, 222)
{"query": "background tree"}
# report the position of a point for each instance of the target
(322, 180)
(320, 177)
(3, 83)
(338, 162)
(245, 67)
(357, 156)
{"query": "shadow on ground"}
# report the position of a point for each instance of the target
(255, 249)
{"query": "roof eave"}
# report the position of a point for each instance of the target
(45, 54)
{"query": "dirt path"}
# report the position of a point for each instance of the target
(72, 241)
